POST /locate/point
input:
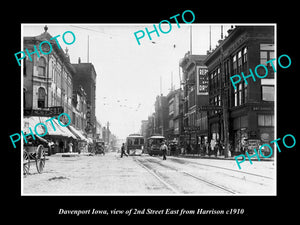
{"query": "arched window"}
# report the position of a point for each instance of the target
(41, 97)
(42, 67)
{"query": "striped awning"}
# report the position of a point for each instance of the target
(58, 130)
(77, 133)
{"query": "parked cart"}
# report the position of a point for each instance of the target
(34, 152)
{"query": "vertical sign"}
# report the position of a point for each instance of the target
(202, 80)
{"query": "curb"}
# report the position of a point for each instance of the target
(221, 158)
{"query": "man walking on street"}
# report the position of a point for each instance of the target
(164, 149)
(123, 150)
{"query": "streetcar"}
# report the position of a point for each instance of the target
(135, 144)
(153, 144)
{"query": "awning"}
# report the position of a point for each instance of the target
(65, 130)
(77, 133)
(32, 121)
(90, 140)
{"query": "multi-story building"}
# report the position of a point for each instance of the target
(174, 99)
(48, 89)
(161, 115)
(150, 125)
(195, 95)
(243, 117)
(80, 108)
(144, 125)
(85, 76)
(47, 78)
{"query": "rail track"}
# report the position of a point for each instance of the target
(223, 168)
(146, 165)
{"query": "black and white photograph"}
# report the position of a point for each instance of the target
(173, 108)
(172, 113)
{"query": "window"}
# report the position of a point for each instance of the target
(240, 94)
(265, 120)
(263, 57)
(42, 67)
(239, 61)
(267, 93)
(236, 97)
(245, 93)
(266, 53)
(136, 141)
(41, 97)
(245, 55)
(234, 64)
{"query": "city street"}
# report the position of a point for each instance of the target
(146, 175)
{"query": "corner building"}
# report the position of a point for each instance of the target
(246, 116)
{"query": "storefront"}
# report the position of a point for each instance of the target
(82, 141)
(60, 136)
(240, 133)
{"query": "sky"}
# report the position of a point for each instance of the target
(128, 74)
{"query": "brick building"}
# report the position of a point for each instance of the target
(85, 77)
(244, 117)
(195, 95)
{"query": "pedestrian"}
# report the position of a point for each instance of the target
(123, 150)
(70, 146)
(164, 149)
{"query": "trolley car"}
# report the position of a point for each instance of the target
(154, 143)
(135, 144)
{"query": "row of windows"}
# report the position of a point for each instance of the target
(236, 64)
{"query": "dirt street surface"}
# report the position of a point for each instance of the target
(146, 175)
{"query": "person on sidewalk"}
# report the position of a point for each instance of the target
(164, 149)
(123, 150)
(70, 146)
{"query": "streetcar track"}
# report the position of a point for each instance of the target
(219, 167)
(184, 172)
(201, 179)
(157, 177)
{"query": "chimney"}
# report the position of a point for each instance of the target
(79, 60)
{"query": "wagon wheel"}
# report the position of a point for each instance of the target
(26, 162)
(40, 158)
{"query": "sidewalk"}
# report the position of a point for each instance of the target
(222, 157)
